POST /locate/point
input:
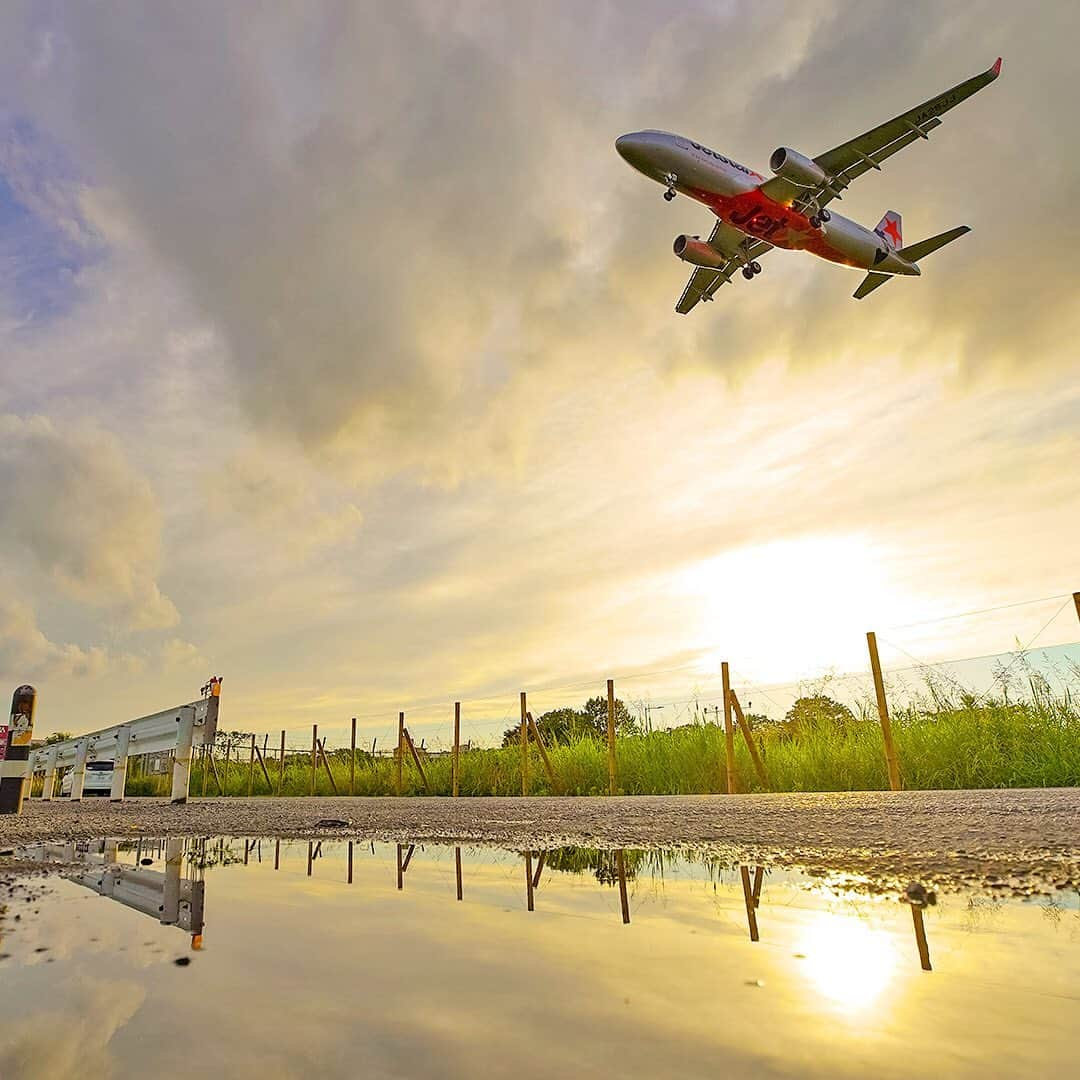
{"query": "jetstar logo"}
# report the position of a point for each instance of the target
(892, 231)
(756, 221)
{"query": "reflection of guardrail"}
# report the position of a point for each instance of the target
(168, 896)
(175, 730)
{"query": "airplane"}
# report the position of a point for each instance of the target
(788, 210)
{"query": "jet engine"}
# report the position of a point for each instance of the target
(793, 166)
(693, 249)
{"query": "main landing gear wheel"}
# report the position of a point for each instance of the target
(756, 266)
(825, 215)
(669, 194)
(751, 270)
(747, 273)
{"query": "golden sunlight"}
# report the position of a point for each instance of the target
(848, 961)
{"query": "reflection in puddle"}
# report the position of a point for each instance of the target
(420, 959)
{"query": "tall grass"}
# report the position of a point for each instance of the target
(951, 745)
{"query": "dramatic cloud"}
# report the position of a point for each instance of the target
(77, 509)
(347, 329)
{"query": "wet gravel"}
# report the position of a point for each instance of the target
(1019, 841)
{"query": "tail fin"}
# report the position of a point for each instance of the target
(915, 252)
(869, 284)
(912, 253)
(890, 230)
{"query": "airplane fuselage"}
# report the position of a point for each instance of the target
(732, 192)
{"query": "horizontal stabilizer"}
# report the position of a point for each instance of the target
(869, 284)
(914, 252)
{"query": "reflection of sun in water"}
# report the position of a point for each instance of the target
(848, 961)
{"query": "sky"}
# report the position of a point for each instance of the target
(338, 356)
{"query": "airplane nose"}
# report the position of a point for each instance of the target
(629, 148)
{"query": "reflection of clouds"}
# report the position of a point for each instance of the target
(71, 1036)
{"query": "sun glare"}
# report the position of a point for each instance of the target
(849, 962)
(796, 605)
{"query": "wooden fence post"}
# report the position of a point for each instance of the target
(729, 731)
(326, 764)
(883, 713)
(611, 736)
(262, 765)
(744, 727)
(524, 747)
(225, 767)
(352, 768)
(543, 753)
(281, 765)
(400, 748)
(416, 759)
(251, 766)
(457, 767)
(314, 754)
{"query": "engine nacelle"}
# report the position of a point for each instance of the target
(793, 166)
(693, 249)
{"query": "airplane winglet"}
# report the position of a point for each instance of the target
(996, 69)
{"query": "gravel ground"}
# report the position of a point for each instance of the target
(1019, 840)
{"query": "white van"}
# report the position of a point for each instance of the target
(98, 780)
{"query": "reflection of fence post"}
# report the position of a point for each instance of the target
(524, 746)
(350, 859)
(400, 753)
(624, 900)
(457, 869)
(750, 900)
(352, 766)
(920, 937)
(729, 732)
(529, 881)
(1076, 601)
(891, 761)
(457, 767)
(611, 736)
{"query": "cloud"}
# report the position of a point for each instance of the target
(25, 652)
(76, 508)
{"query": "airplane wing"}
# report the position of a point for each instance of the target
(850, 160)
(737, 247)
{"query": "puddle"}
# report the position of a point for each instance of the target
(284, 958)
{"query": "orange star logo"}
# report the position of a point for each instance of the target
(893, 231)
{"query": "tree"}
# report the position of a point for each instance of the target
(817, 709)
(567, 725)
(57, 736)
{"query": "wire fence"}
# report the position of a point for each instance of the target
(672, 727)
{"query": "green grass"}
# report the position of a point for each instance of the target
(947, 746)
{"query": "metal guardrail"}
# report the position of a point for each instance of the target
(176, 730)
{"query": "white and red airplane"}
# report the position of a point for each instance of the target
(787, 210)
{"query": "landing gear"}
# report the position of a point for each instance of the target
(670, 179)
(825, 215)
(821, 216)
(751, 269)
(669, 194)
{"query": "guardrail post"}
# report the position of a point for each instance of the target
(78, 771)
(119, 776)
(185, 735)
(49, 786)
